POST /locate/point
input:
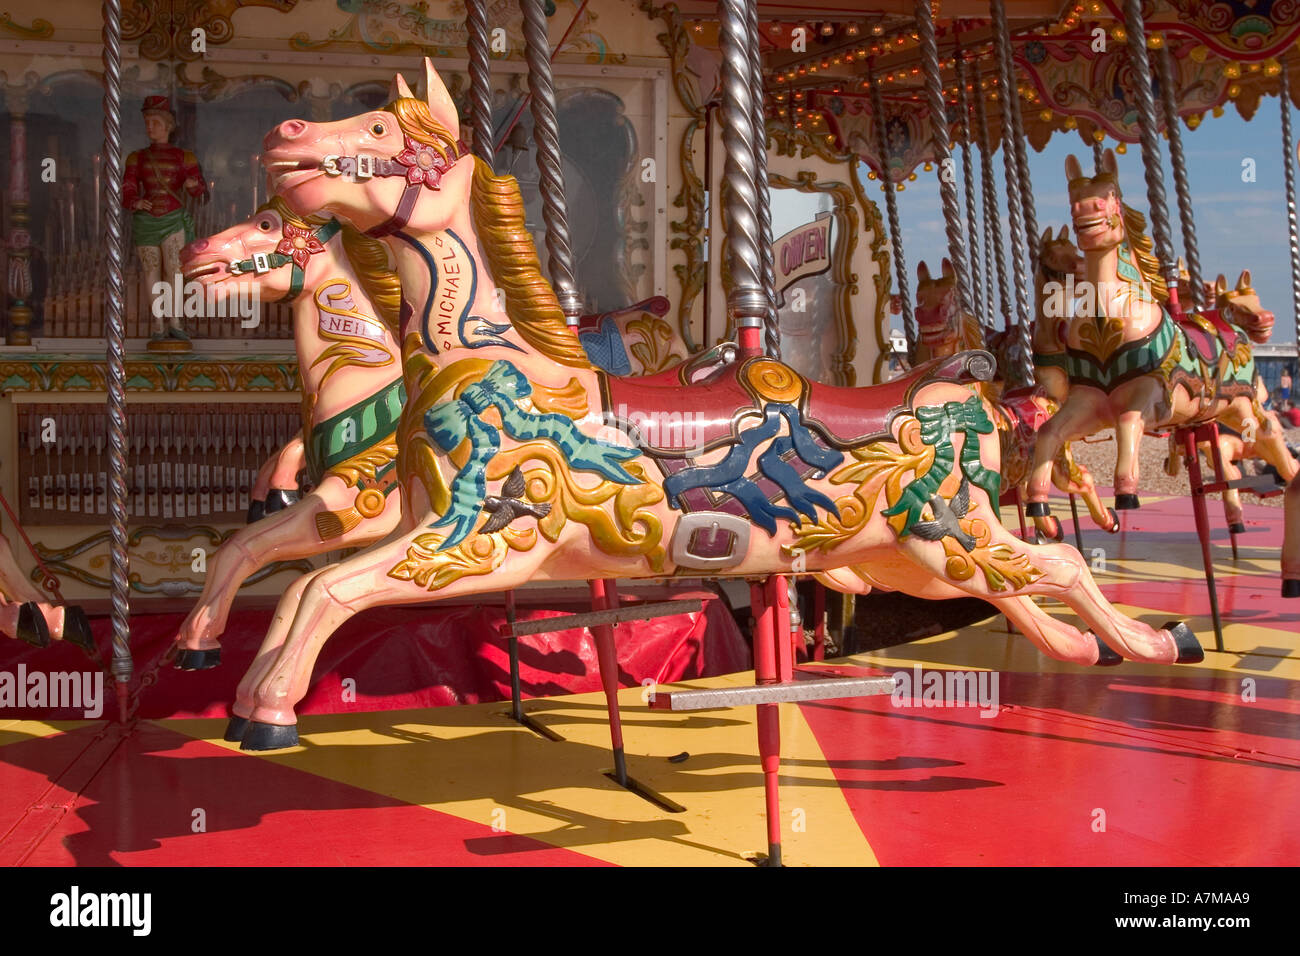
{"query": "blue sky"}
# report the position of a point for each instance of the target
(1238, 224)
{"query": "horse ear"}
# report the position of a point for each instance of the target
(1064, 233)
(1108, 163)
(1047, 236)
(947, 268)
(922, 272)
(1243, 282)
(1221, 284)
(439, 100)
(1073, 170)
(398, 89)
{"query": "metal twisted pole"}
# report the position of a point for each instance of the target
(1186, 221)
(1288, 166)
(1153, 168)
(120, 562)
(939, 138)
(480, 79)
(1098, 152)
(968, 181)
(1015, 211)
(1022, 170)
(992, 218)
(771, 327)
(891, 209)
(546, 134)
(746, 304)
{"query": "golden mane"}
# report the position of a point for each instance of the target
(368, 257)
(1135, 226)
(497, 211)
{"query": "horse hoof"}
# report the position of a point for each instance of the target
(1114, 522)
(235, 729)
(1237, 527)
(76, 628)
(1189, 648)
(261, 736)
(1055, 529)
(1037, 509)
(32, 628)
(277, 499)
(256, 511)
(1105, 656)
(1291, 589)
(189, 660)
(1126, 503)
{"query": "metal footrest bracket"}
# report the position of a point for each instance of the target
(714, 698)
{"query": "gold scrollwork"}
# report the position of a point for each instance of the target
(481, 554)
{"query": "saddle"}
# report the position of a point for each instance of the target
(671, 416)
(1202, 328)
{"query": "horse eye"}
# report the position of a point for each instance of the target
(377, 129)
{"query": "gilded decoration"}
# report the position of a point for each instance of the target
(688, 231)
(56, 375)
(39, 30)
(164, 553)
(164, 29)
(437, 28)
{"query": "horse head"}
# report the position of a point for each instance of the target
(1241, 307)
(1096, 207)
(273, 250)
(1059, 257)
(374, 169)
(937, 310)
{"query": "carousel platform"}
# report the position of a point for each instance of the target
(1131, 765)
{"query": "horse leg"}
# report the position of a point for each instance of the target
(1074, 479)
(1129, 427)
(28, 614)
(1291, 541)
(285, 535)
(1076, 419)
(328, 598)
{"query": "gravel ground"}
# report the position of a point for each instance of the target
(1098, 456)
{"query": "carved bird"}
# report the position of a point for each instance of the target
(946, 514)
(509, 505)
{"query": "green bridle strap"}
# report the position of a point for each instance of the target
(278, 260)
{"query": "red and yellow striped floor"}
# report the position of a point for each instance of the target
(1124, 765)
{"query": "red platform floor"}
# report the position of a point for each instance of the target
(1127, 765)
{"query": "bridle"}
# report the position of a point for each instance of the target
(263, 262)
(418, 163)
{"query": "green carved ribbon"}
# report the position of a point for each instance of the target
(938, 426)
(451, 423)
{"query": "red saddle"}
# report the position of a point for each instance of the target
(671, 419)
(1202, 341)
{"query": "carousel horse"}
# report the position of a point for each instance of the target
(1017, 414)
(1131, 365)
(1233, 447)
(345, 304)
(733, 476)
(345, 307)
(27, 615)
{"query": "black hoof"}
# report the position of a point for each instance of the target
(235, 729)
(256, 511)
(76, 628)
(1114, 522)
(1105, 656)
(278, 499)
(188, 660)
(1237, 527)
(260, 736)
(1291, 589)
(32, 627)
(1189, 648)
(1037, 509)
(1126, 503)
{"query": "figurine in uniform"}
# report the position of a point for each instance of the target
(154, 186)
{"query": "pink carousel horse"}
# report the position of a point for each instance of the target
(1019, 414)
(518, 460)
(1131, 366)
(345, 306)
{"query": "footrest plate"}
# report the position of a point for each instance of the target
(714, 698)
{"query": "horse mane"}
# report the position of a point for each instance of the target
(368, 257)
(497, 211)
(1135, 226)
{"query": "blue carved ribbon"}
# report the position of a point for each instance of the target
(451, 423)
